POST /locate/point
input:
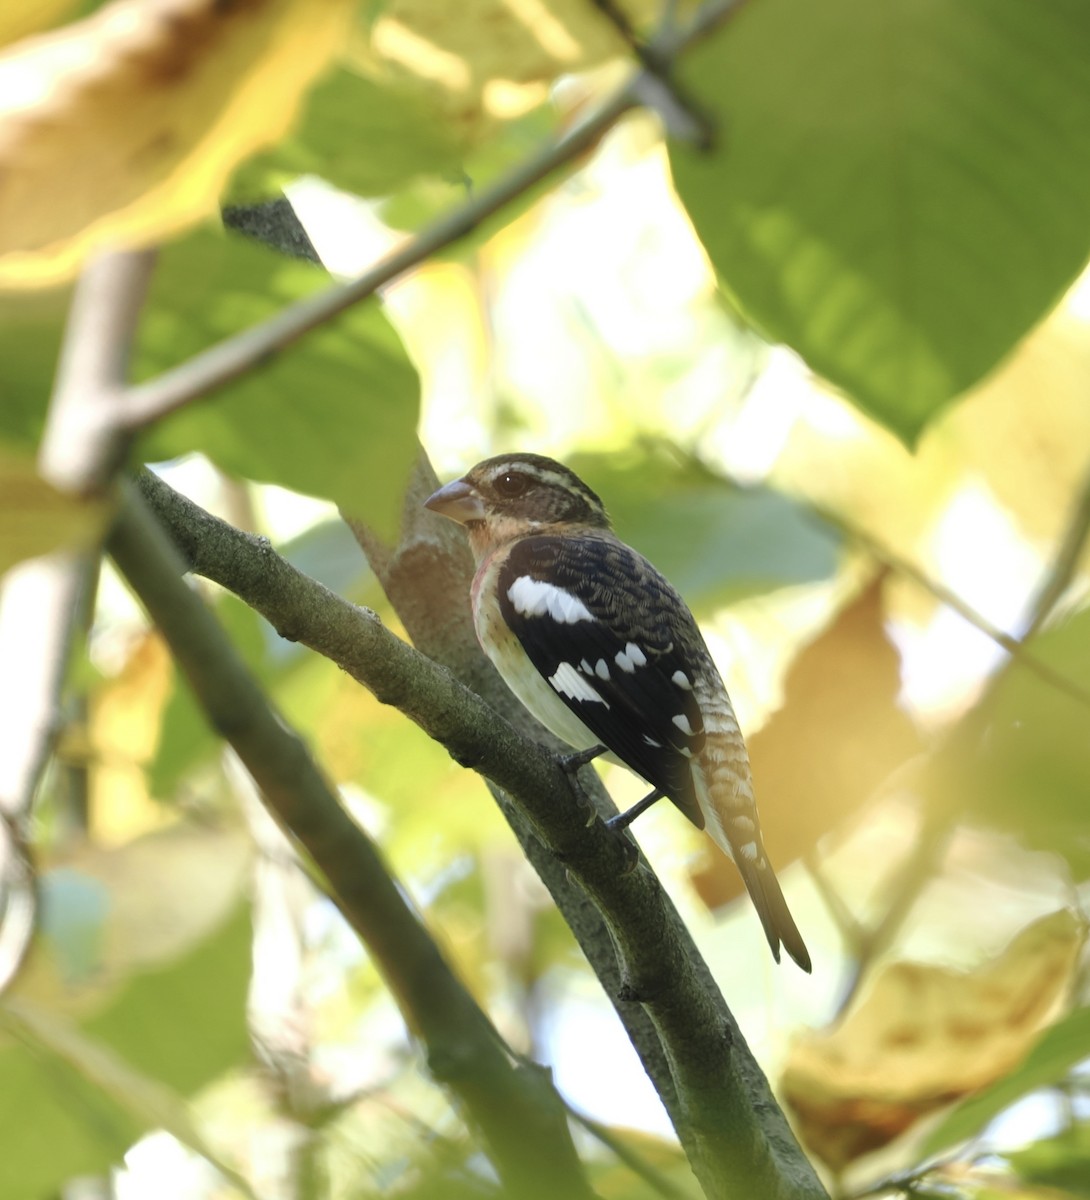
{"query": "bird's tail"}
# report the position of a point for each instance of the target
(725, 795)
(767, 896)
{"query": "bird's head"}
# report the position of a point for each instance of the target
(514, 495)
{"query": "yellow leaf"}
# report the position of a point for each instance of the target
(924, 1036)
(123, 128)
(37, 519)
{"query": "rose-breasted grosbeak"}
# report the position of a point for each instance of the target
(605, 653)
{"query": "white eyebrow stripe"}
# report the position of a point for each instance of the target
(568, 682)
(536, 598)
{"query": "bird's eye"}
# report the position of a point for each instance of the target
(511, 484)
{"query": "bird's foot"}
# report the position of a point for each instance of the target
(579, 758)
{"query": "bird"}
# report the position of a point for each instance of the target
(604, 651)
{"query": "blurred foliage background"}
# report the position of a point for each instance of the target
(830, 373)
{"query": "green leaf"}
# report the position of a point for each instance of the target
(1030, 773)
(332, 416)
(31, 327)
(186, 739)
(1060, 1162)
(358, 135)
(1060, 1048)
(738, 541)
(72, 1101)
(901, 189)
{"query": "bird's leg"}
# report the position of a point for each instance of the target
(623, 820)
(572, 762)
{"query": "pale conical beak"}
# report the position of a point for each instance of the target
(457, 500)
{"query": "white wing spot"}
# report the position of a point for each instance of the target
(651, 742)
(630, 658)
(568, 682)
(748, 851)
(682, 681)
(601, 669)
(682, 722)
(536, 598)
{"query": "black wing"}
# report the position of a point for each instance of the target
(634, 652)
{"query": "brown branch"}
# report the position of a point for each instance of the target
(737, 1139)
(515, 1107)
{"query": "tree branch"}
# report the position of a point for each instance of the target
(1016, 647)
(42, 598)
(515, 1107)
(736, 1137)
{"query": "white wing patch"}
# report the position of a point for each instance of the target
(682, 681)
(682, 722)
(568, 682)
(536, 598)
(630, 658)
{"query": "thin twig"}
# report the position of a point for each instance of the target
(1064, 565)
(219, 365)
(658, 88)
(228, 360)
(1014, 646)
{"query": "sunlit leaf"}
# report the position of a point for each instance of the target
(1060, 1049)
(359, 136)
(923, 1036)
(899, 190)
(333, 416)
(484, 62)
(839, 734)
(737, 541)
(122, 128)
